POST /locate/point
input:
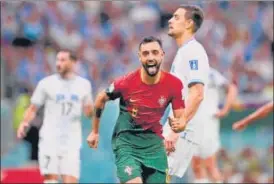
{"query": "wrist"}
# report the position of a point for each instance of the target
(26, 123)
(95, 131)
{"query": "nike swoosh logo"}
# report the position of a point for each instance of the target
(132, 101)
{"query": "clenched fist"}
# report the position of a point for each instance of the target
(93, 140)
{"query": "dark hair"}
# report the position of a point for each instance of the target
(194, 13)
(72, 55)
(149, 40)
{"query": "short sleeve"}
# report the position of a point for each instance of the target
(116, 88)
(39, 95)
(177, 98)
(198, 70)
(197, 65)
(88, 98)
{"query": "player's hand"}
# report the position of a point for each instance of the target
(239, 125)
(177, 125)
(21, 132)
(170, 142)
(93, 139)
(222, 113)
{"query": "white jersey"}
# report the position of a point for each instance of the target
(64, 101)
(191, 65)
(215, 86)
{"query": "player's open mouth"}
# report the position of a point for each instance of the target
(152, 69)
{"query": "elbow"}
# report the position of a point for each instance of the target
(100, 100)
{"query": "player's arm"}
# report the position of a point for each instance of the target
(99, 105)
(178, 122)
(37, 100)
(258, 114)
(88, 110)
(111, 93)
(231, 93)
(195, 97)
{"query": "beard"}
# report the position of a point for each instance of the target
(63, 71)
(152, 70)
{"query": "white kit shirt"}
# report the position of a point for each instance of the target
(191, 65)
(64, 100)
(215, 87)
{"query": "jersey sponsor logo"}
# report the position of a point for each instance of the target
(162, 101)
(193, 64)
(132, 100)
(60, 97)
(74, 98)
(128, 170)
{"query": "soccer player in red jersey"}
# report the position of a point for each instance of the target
(137, 141)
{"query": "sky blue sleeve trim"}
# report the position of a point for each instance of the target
(195, 81)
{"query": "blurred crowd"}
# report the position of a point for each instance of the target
(247, 166)
(105, 36)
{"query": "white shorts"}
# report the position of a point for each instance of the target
(60, 164)
(179, 160)
(210, 144)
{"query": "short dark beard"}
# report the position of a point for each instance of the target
(152, 75)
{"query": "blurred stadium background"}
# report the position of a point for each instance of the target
(238, 37)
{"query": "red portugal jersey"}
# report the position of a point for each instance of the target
(141, 105)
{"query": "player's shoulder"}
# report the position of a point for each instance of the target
(197, 46)
(171, 78)
(193, 47)
(82, 80)
(48, 79)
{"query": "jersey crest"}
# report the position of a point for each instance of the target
(128, 170)
(162, 101)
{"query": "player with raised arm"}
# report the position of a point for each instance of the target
(65, 95)
(258, 114)
(192, 68)
(204, 162)
(144, 95)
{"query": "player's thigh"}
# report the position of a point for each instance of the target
(128, 168)
(48, 164)
(69, 179)
(155, 176)
(137, 180)
(179, 161)
(70, 165)
(209, 148)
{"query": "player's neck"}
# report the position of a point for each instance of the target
(148, 79)
(68, 76)
(183, 39)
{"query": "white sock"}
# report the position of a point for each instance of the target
(50, 181)
(202, 180)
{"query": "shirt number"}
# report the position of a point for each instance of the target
(66, 108)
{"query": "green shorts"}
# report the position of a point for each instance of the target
(149, 163)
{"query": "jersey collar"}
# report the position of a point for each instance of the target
(187, 42)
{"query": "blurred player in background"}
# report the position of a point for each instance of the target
(204, 163)
(258, 114)
(144, 95)
(191, 67)
(65, 95)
